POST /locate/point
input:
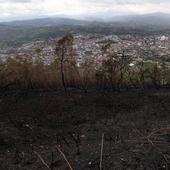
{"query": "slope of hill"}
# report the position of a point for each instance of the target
(36, 121)
(18, 32)
(154, 19)
(45, 22)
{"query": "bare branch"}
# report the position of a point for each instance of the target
(42, 160)
(101, 153)
(64, 157)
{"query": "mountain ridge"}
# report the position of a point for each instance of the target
(157, 18)
(18, 32)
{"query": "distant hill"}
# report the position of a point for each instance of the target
(45, 22)
(154, 19)
(16, 33)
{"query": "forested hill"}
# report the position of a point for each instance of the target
(16, 33)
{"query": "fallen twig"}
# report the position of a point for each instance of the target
(101, 153)
(158, 131)
(42, 160)
(64, 157)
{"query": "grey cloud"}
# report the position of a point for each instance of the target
(78, 7)
(128, 1)
(142, 1)
(104, 2)
(15, 1)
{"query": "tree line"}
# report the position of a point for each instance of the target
(114, 72)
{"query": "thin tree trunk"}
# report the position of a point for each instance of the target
(62, 73)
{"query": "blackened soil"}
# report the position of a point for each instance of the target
(135, 125)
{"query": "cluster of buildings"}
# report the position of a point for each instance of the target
(91, 46)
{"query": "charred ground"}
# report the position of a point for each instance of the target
(135, 125)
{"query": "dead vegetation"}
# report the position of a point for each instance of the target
(113, 72)
(94, 126)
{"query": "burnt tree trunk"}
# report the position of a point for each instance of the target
(62, 72)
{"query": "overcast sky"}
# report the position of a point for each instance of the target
(35, 8)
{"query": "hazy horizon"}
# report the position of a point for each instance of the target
(78, 9)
